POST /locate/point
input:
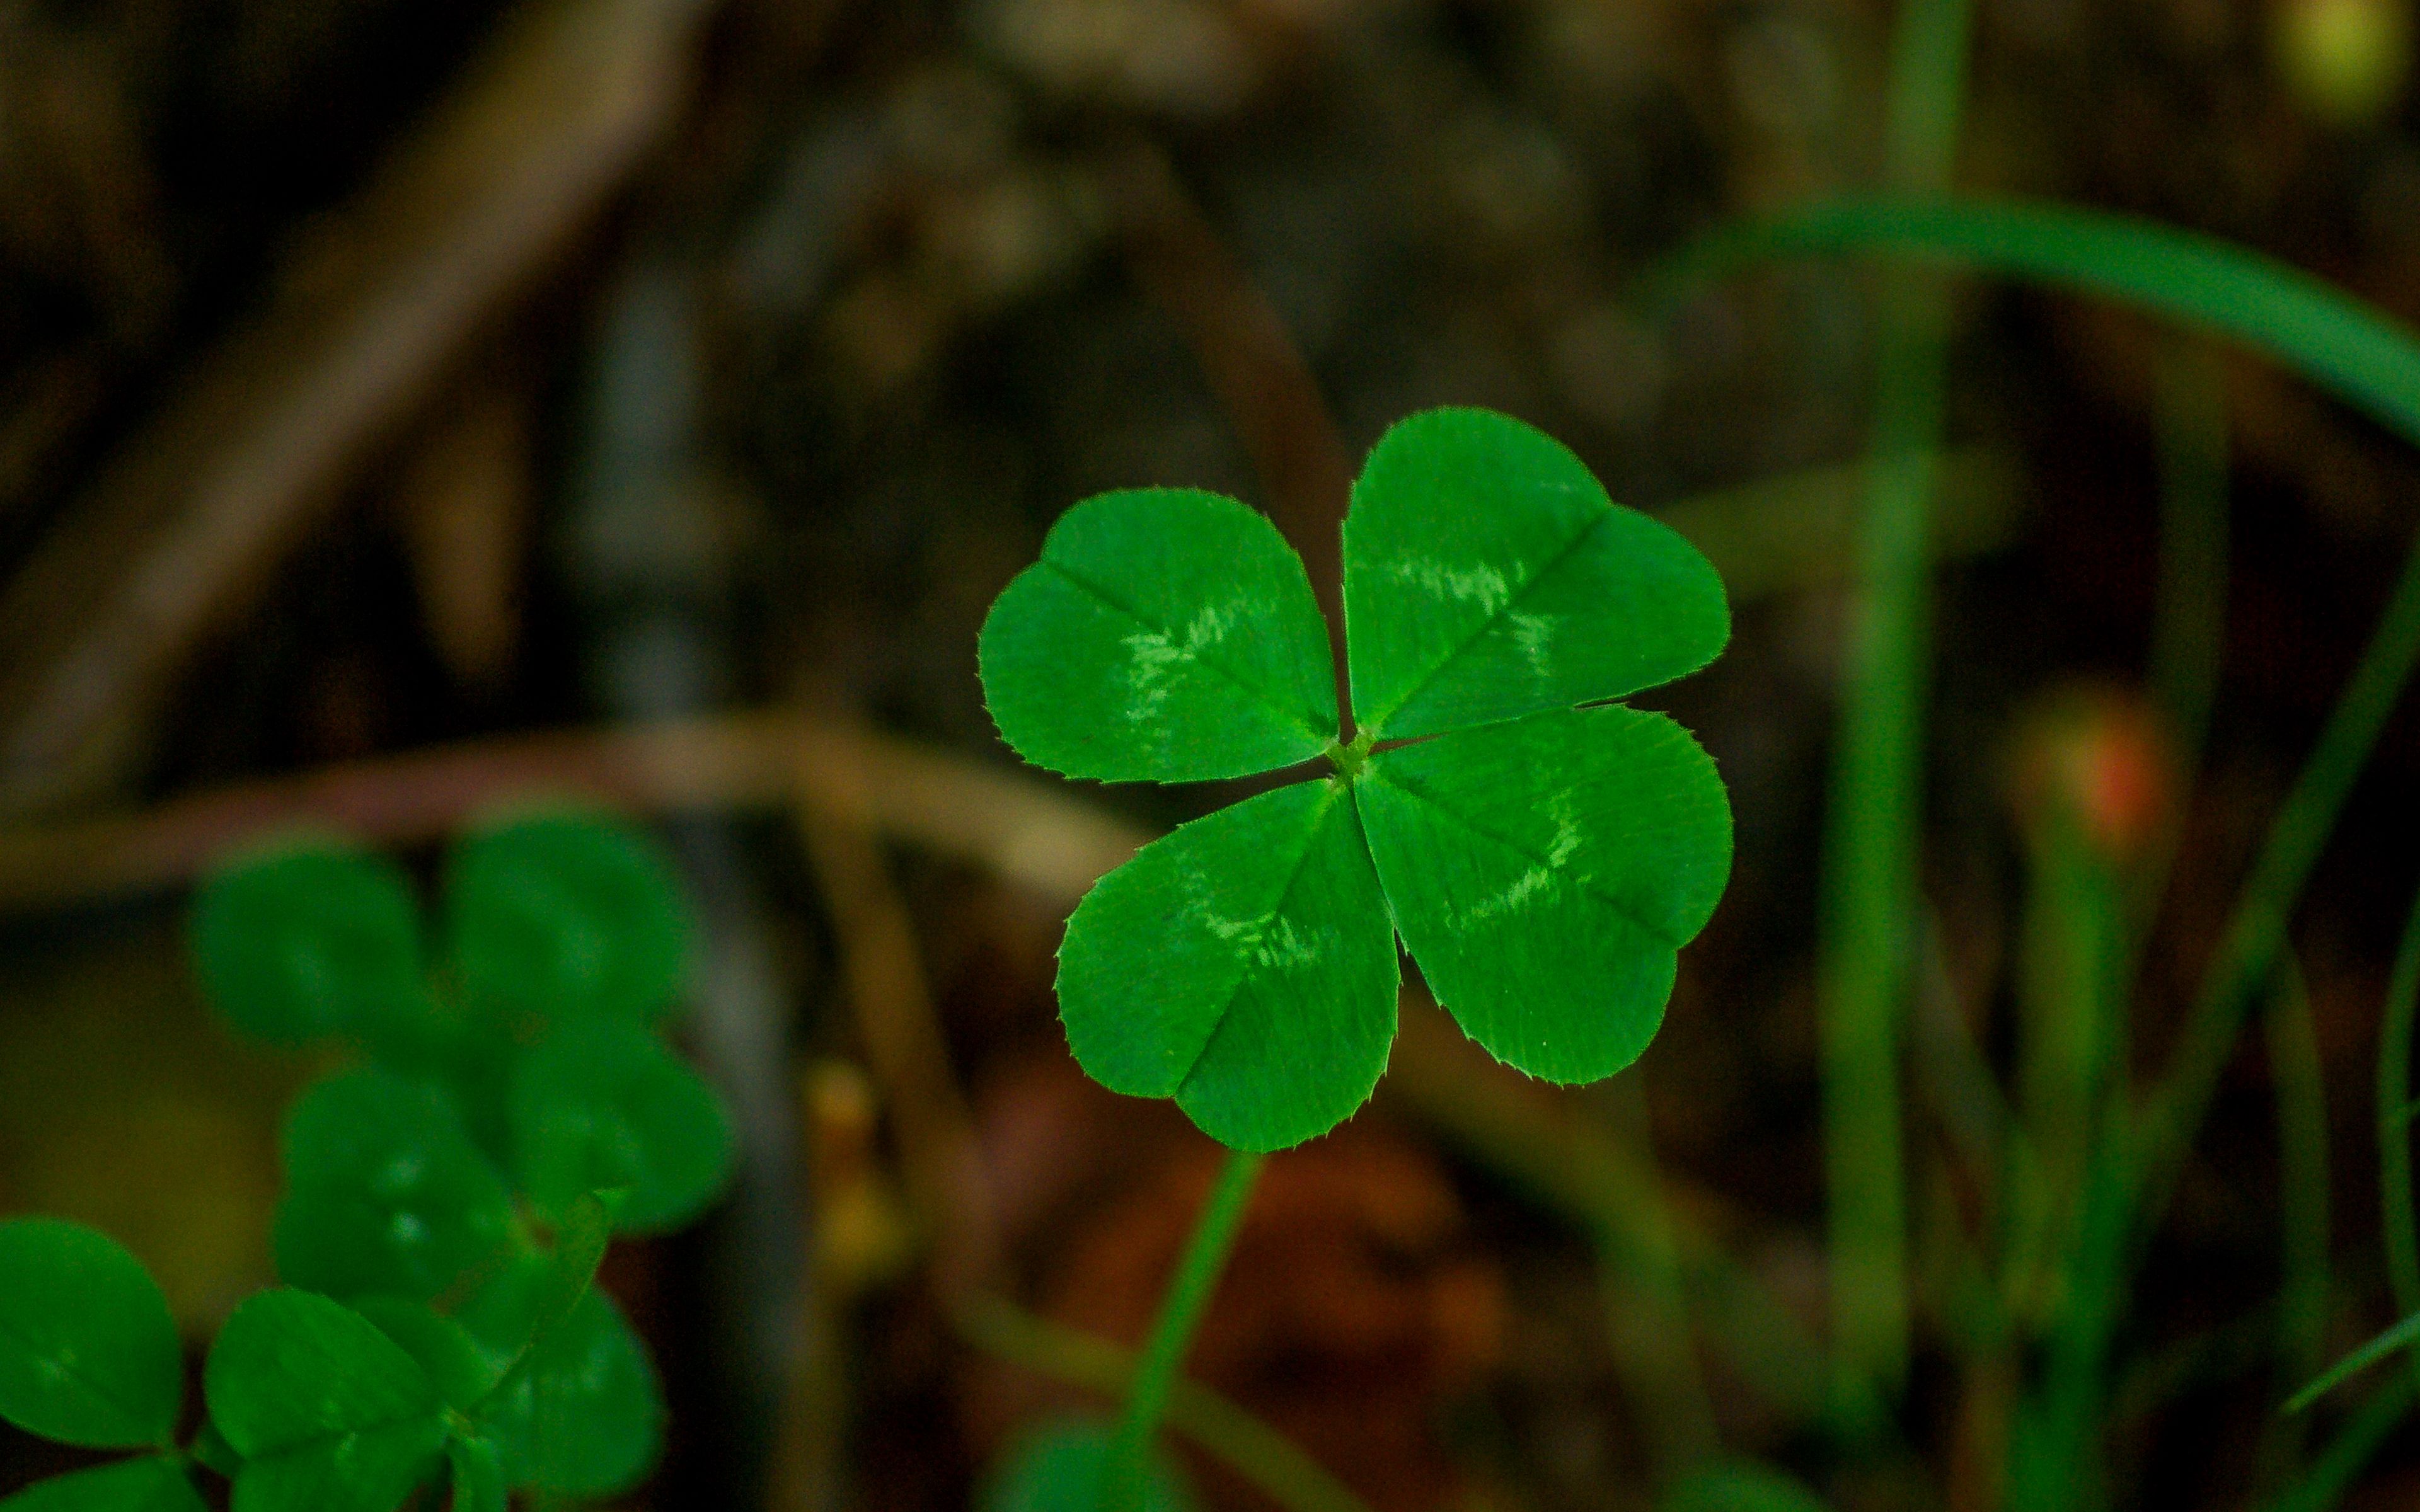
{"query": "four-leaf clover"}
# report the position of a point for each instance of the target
(1543, 852)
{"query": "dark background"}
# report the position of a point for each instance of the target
(730, 357)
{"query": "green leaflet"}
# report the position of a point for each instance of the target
(211, 1451)
(385, 1190)
(584, 1415)
(461, 1372)
(150, 1484)
(1546, 915)
(478, 1476)
(89, 1353)
(579, 1244)
(1544, 863)
(329, 1414)
(1166, 635)
(601, 1104)
(557, 916)
(308, 939)
(1487, 576)
(1242, 965)
(1058, 1468)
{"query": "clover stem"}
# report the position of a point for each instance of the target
(1180, 1314)
(1350, 759)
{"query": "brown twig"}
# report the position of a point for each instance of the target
(756, 760)
(203, 501)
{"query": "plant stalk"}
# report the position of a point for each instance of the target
(1180, 1314)
(2395, 1120)
(1871, 850)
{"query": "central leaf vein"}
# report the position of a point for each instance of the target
(1254, 952)
(1554, 559)
(1166, 635)
(1546, 863)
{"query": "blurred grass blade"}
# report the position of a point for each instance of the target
(1874, 823)
(2401, 1336)
(2395, 1119)
(2344, 346)
(2324, 1483)
(2301, 1086)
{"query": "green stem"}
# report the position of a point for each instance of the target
(2257, 932)
(2295, 1072)
(2132, 1179)
(1871, 850)
(1648, 1320)
(2394, 1121)
(2189, 605)
(1180, 1314)
(2324, 1483)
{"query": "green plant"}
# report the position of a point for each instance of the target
(2080, 1218)
(1543, 850)
(448, 1198)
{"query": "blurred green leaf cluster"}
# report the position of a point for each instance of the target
(510, 1104)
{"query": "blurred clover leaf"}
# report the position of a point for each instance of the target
(152, 1482)
(328, 1413)
(307, 940)
(447, 1203)
(578, 1410)
(385, 1191)
(1062, 1464)
(554, 915)
(604, 1105)
(1543, 852)
(89, 1353)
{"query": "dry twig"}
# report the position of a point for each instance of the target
(203, 500)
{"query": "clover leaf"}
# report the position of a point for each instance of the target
(88, 1352)
(308, 937)
(578, 1409)
(560, 915)
(329, 1414)
(1543, 852)
(1062, 1464)
(1166, 635)
(385, 1190)
(153, 1482)
(602, 1104)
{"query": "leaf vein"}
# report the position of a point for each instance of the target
(1258, 694)
(1622, 906)
(1285, 894)
(1546, 570)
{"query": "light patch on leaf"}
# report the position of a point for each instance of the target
(1534, 634)
(1152, 653)
(1482, 585)
(1246, 931)
(1512, 899)
(1286, 949)
(1517, 896)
